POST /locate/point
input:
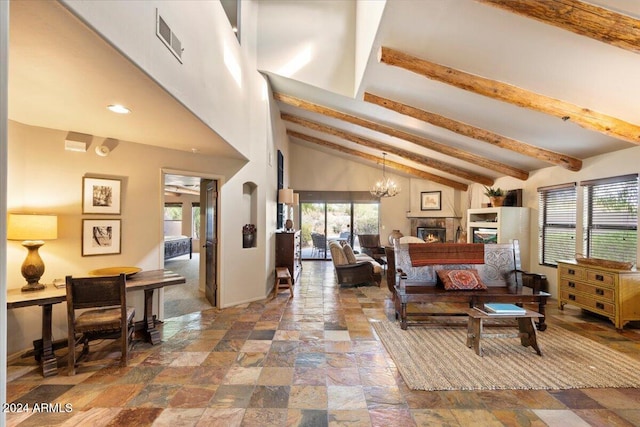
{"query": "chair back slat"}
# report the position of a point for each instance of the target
(87, 292)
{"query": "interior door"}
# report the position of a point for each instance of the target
(211, 240)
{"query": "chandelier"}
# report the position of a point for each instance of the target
(384, 187)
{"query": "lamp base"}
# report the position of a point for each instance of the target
(30, 287)
(32, 267)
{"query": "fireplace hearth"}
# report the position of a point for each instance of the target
(432, 234)
(443, 228)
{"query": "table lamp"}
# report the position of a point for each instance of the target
(33, 230)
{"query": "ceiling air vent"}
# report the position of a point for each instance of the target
(168, 37)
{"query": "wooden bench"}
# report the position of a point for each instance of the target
(501, 272)
(283, 281)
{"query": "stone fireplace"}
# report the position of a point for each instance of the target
(441, 228)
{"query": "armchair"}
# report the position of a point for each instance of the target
(351, 270)
(370, 244)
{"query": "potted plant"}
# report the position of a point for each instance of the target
(496, 195)
(248, 235)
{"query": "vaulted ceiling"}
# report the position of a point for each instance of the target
(464, 91)
(456, 91)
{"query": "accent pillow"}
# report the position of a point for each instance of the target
(455, 280)
(348, 252)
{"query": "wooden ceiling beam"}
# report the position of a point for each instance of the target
(393, 165)
(418, 140)
(366, 142)
(581, 18)
(470, 131)
(584, 117)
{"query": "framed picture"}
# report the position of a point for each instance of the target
(100, 237)
(431, 200)
(101, 196)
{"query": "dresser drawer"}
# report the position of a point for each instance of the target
(587, 303)
(601, 293)
(572, 271)
(601, 278)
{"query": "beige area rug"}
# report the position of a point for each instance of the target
(437, 358)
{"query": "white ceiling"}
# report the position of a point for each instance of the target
(62, 76)
(478, 39)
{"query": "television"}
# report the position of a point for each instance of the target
(484, 235)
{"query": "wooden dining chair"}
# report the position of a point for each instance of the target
(105, 315)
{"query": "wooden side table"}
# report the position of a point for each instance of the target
(526, 329)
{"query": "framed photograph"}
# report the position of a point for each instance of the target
(100, 237)
(101, 196)
(431, 201)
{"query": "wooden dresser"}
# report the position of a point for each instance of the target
(288, 253)
(610, 292)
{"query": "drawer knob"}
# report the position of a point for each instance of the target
(600, 305)
(599, 292)
(571, 271)
(599, 277)
(571, 284)
(572, 297)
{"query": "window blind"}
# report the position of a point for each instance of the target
(611, 218)
(556, 223)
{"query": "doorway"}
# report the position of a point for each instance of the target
(190, 209)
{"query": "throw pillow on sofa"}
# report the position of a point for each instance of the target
(455, 280)
(348, 252)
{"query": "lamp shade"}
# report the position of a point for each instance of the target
(285, 195)
(296, 199)
(32, 227)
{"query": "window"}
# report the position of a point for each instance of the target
(557, 223)
(195, 220)
(611, 218)
(173, 219)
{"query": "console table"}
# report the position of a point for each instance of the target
(147, 281)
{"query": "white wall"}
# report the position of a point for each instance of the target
(213, 91)
(313, 169)
(44, 178)
(321, 31)
(608, 165)
(4, 54)
(368, 15)
(219, 83)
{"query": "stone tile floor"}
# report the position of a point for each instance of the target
(313, 360)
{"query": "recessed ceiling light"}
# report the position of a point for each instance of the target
(120, 109)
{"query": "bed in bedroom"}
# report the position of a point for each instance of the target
(175, 246)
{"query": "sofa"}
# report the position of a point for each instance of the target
(354, 269)
(499, 270)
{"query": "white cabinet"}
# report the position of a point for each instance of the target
(500, 225)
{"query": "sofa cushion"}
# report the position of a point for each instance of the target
(461, 279)
(348, 252)
(337, 254)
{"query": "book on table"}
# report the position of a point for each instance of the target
(503, 308)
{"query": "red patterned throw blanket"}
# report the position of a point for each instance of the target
(446, 253)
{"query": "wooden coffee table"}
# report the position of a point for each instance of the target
(526, 329)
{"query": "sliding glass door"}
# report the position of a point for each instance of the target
(322, 222)
(313, 234)
(365, 221)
